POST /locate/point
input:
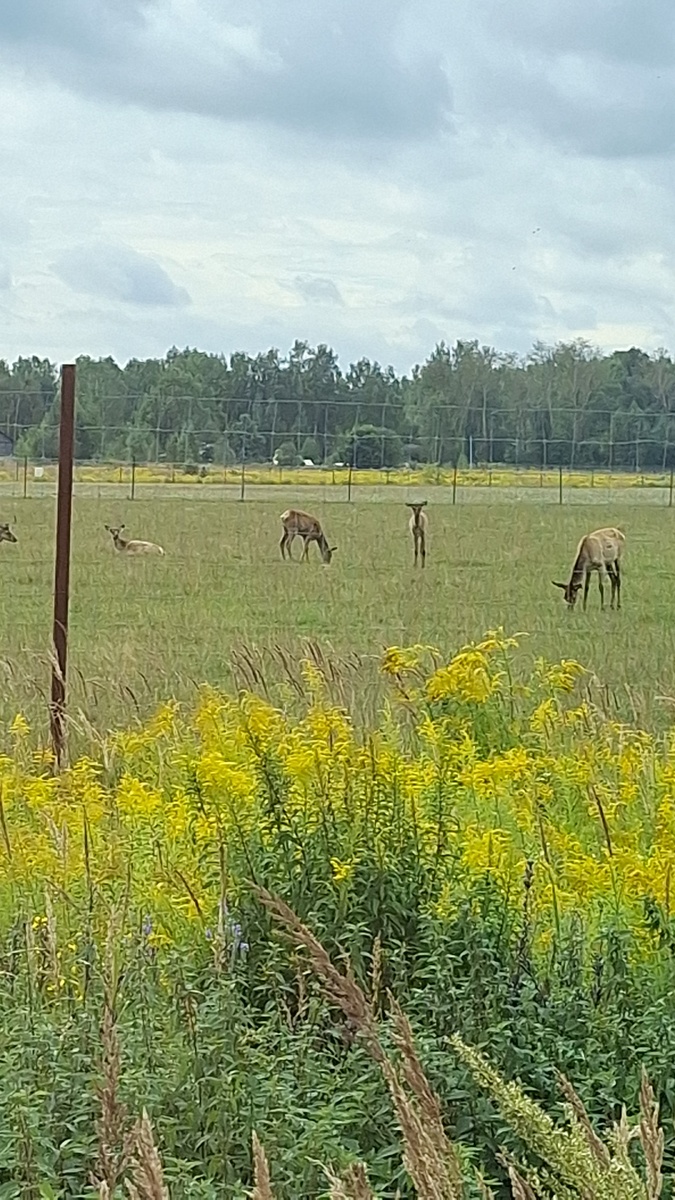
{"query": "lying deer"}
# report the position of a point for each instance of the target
(418, 525)
(300, 524)
(598, 551)
(6, 534)
(127, 546)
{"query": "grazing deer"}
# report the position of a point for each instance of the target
(6, 534)
(598, 551)
(418, 525)
(125, 546)
(300, 524)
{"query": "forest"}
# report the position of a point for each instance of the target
(567, 404)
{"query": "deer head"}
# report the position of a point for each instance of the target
(6, 534)
(328, 553)
(571, 591)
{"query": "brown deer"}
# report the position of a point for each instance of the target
(6, 534)
(598, 551)
(127, 546)
(300, 524)
(418, 525)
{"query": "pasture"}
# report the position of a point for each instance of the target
(222, 605)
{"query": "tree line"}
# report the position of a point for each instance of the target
(567, 404)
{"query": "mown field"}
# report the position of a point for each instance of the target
(484, 831)
(145, 630)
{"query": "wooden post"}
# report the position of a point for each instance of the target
(242, 488)
(25, 476)
(349, 484)
(64, 506)
(670, 497)
(560, 488)
(454, 485)
(133, 479)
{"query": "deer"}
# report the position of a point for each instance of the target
(418, 525)
(130, 546)
(599, 551)
(300, 524)
(6, 534)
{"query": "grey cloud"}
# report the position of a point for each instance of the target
(614, 30)
(117, 272)
(333, 68)
(594, 78)
(316, 290)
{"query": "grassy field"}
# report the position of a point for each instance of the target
(145, 630)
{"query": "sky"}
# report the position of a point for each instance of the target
(378, 175)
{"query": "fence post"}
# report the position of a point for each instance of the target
(349, 484)
(64, 504)
(454, 485)
(560, 490)
(25, 476)
(133, 479)
(242, 488)
(670, 497)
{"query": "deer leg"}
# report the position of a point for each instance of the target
(617, 572)
(611, 582)
(423, 548)
(305, 553)
(416, 547)
(601, 576)
(283, 543)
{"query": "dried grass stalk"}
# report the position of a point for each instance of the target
(520, 1188)
(428, 1155)
(341, 990)
(651, 1137)
(351, 1185)
(147, 1177)
(261, 1172)
(596, 1146)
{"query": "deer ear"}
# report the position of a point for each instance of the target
(333, 549)
(560, 585)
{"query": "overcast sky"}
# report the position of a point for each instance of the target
(375, 174)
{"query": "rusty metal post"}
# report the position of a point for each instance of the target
(64, 504)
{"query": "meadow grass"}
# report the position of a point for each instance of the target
(222, 605)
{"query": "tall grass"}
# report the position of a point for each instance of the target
(494, 851)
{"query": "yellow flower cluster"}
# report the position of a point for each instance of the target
(179, 815)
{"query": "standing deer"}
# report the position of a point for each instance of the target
(6, 534)
(300, 524)
(598, 551)
(127, 546)
(418, 525)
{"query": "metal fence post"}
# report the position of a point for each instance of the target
(25, 476)
(560, 486)
(64, 506)
(133, 479)
(454, 485)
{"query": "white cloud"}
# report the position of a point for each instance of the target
(373, 176)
